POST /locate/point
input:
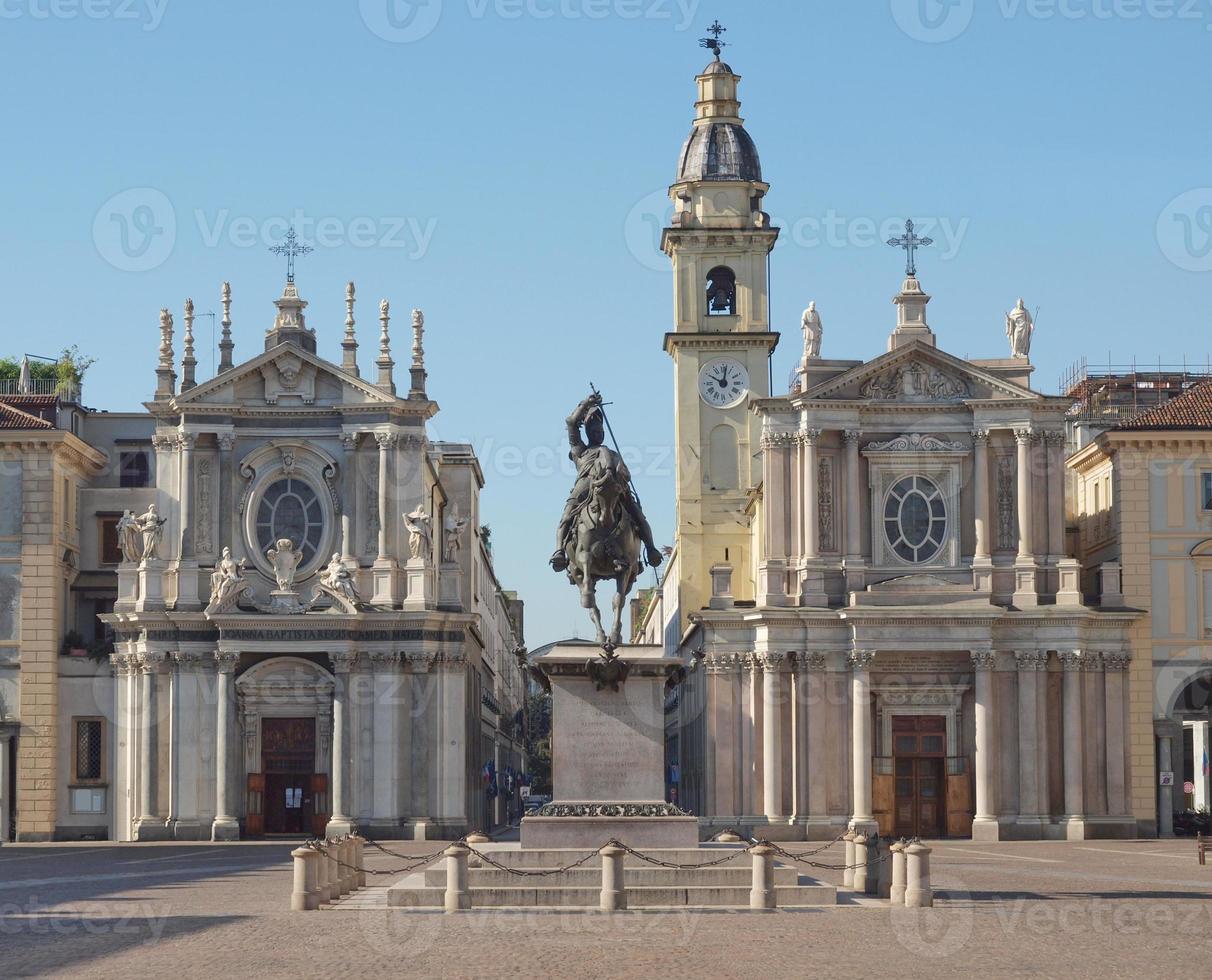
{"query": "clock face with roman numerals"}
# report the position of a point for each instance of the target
(723, 382)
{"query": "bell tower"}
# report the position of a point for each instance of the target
(719, 242)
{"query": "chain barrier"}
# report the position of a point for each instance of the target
(529, 872)
(657, 862)
(783, 852)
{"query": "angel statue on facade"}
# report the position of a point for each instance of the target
(151, 528)
(1020, 327)
(452, 533)
(420, 533)
(285, 560)
(603, 531)
(227, 580)
(130, 537)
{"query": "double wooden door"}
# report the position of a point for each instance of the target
(919, 749)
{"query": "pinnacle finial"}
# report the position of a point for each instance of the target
(349, 345)
(188, 361)
(225, 345)
(417, 372)
(166, 377)
(713, 43)
(384, 361)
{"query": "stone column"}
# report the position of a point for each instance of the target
(812, 590)
(226, 826)
(1026, 593)
(1055, 442)
(386, 441)
(340, 823)
(980, 494)
(387, 740)
(1115, 666)
(860, 696)
(1030, 814)
(186, 446)
(818, 749)
(1166, 733)
(772, 570)
(349, 496)
(149, 826)
(799, 742)
(772, 735)
(984, 825)
(1072, 662)
(855, 496)
(452, 747)
(1203, 751)
(227, 443)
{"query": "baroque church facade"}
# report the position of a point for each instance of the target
(872, 571)
(307, 633)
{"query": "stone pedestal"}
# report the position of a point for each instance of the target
(151, 586)
(387, 582)
(285, 603)
(128, 587)
(608, 755)
(187, 586)
(418, 585)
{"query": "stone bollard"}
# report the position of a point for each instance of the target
(860, 863)
(614, 892)
(305, 897)
(323, 878)
(359, 859)
(918, 893)
(883, 873)
(344, 883)
(872, 883)
(728, 836)
(458, 897)
(848, 873)
(762, 894)
(334, 870)
(896, 892)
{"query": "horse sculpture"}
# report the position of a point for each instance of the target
(603, 532)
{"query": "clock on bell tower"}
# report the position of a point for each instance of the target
(719, 242)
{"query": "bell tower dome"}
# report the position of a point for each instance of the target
(719, 242)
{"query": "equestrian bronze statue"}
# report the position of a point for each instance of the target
(603, 533)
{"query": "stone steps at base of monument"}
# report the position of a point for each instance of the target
(708, 896)
(590, 876)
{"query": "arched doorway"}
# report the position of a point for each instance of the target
(1194, 761)
(286, 716)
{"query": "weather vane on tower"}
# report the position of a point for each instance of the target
(713, 43)
(291, 248)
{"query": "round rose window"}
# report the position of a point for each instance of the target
(290, 508)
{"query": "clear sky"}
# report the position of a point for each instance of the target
(502, 164)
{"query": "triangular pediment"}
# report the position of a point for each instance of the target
(286, 375)
(918, 373)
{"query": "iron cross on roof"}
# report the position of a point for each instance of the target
(910, 242)
(713, 43)
(291, 248)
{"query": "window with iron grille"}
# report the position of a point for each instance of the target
(88, 749)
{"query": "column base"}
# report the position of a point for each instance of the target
(986, 829)
(151, 828)
(184, 830)
(812, 587)
(339, 827)
(864, 825)
(225, 828)
(418, 585)
(855, 570)
(418, 828)
(450, 587)
(772, 584)
(386, 576)
(982, 575)
(1029, 827)
(1070, 587)
(1026, 584)
(151, 586)
(1074, 828)
(187, 586)
(822, 827)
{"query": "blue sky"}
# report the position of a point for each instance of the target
(500, 163)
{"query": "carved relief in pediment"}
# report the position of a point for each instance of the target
(916, 382)
(289, 375)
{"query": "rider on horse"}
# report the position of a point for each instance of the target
(596, 462)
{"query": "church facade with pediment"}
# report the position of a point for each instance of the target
(295, 588)
(871, 570)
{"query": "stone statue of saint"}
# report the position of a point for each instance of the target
(603, 529)
(813, 332)
(285, 560)
(338, 580)
(420, 533)
(130, 537)
(452, 534)
(151, 528)
(1020, 327)
(227, 579)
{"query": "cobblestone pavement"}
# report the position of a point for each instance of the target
(1101, 909)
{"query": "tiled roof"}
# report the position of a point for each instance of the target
(1192, 410)
(12, 417)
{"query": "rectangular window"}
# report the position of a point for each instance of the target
(88, 751)
(133, 470)
(109, 552)
(88, 800)
(1205, 490)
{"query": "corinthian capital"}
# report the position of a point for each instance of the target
(860, 659)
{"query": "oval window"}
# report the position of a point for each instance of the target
(915, 519)
(290, 508)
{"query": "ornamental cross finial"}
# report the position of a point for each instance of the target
(291, 248)
(713, 43)
(910, 242)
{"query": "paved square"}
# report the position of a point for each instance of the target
(1104, 909)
